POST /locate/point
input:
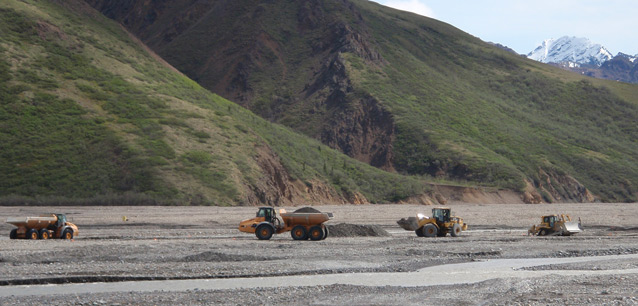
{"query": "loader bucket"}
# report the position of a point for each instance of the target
(409, 224)
(570, 228)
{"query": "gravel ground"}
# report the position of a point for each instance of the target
(203, 242)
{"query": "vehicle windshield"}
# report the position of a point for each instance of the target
(61, 219)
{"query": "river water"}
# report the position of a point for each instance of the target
(450, 274)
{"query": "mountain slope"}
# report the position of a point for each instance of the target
(403, 92)
(89, 116)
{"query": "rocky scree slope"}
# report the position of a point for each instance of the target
(89, 116)
(403, 92)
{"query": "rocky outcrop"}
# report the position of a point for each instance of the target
(277, 188)
(552, 187)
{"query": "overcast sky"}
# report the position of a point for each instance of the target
(523, 25)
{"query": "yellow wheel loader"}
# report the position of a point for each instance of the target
(556, 225)
(441, 223)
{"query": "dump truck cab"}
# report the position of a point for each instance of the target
(267, 213)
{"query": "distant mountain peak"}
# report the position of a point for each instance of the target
(571, 51)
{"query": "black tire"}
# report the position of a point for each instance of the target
(430, 230)
(264, 232)
(419, 232)
(542, 232)
(13, 234)
(456, 230)
(299, 233)
(44, 234)
(325, 232)
(32, 234)
(442, 232)
(315, 233)
(67, 234)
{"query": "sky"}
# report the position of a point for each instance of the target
(524, 25)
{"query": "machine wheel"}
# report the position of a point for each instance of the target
(264, 232)
(430, 230)
(419, 232)
(456, 230)
(44, 234)
(67, 234)
(32, 234)
(542, 232)
(298, 233)
(325, 232)
(315, 233)
(13, 234)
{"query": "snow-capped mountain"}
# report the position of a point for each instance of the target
(571, 52)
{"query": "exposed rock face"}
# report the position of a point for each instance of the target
(277, 188)
(562, 188)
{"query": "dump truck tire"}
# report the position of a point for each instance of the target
(315, 233)
(419, 232)
(13, 234)
(32, 234)
(67, 234)
(430, 230)
(44, 234)
(456, 230)
(299, 233)
(264, 232)
(325, 232)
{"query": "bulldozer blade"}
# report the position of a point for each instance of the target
(572, 227)
(409, 224)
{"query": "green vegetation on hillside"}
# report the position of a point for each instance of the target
(463, 103)
(88, 116)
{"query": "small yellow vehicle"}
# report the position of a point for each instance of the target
(556, 225)
(441, 223)
(306, 223)
(43, 227)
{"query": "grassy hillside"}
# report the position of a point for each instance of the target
(506, 118)
(405, 93)
(89, 116)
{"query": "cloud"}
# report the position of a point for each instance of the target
(414, 6)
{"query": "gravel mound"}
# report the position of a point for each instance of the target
(356, 230)
(307, 209)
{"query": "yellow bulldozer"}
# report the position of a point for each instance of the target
(556, 225)
(441, 223)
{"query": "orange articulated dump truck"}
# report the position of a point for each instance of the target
(306, 223)
(43, 227)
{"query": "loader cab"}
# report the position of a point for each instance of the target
(441, 214)
(268, 213)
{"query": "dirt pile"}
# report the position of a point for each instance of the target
(307, 209)
(356, 230)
